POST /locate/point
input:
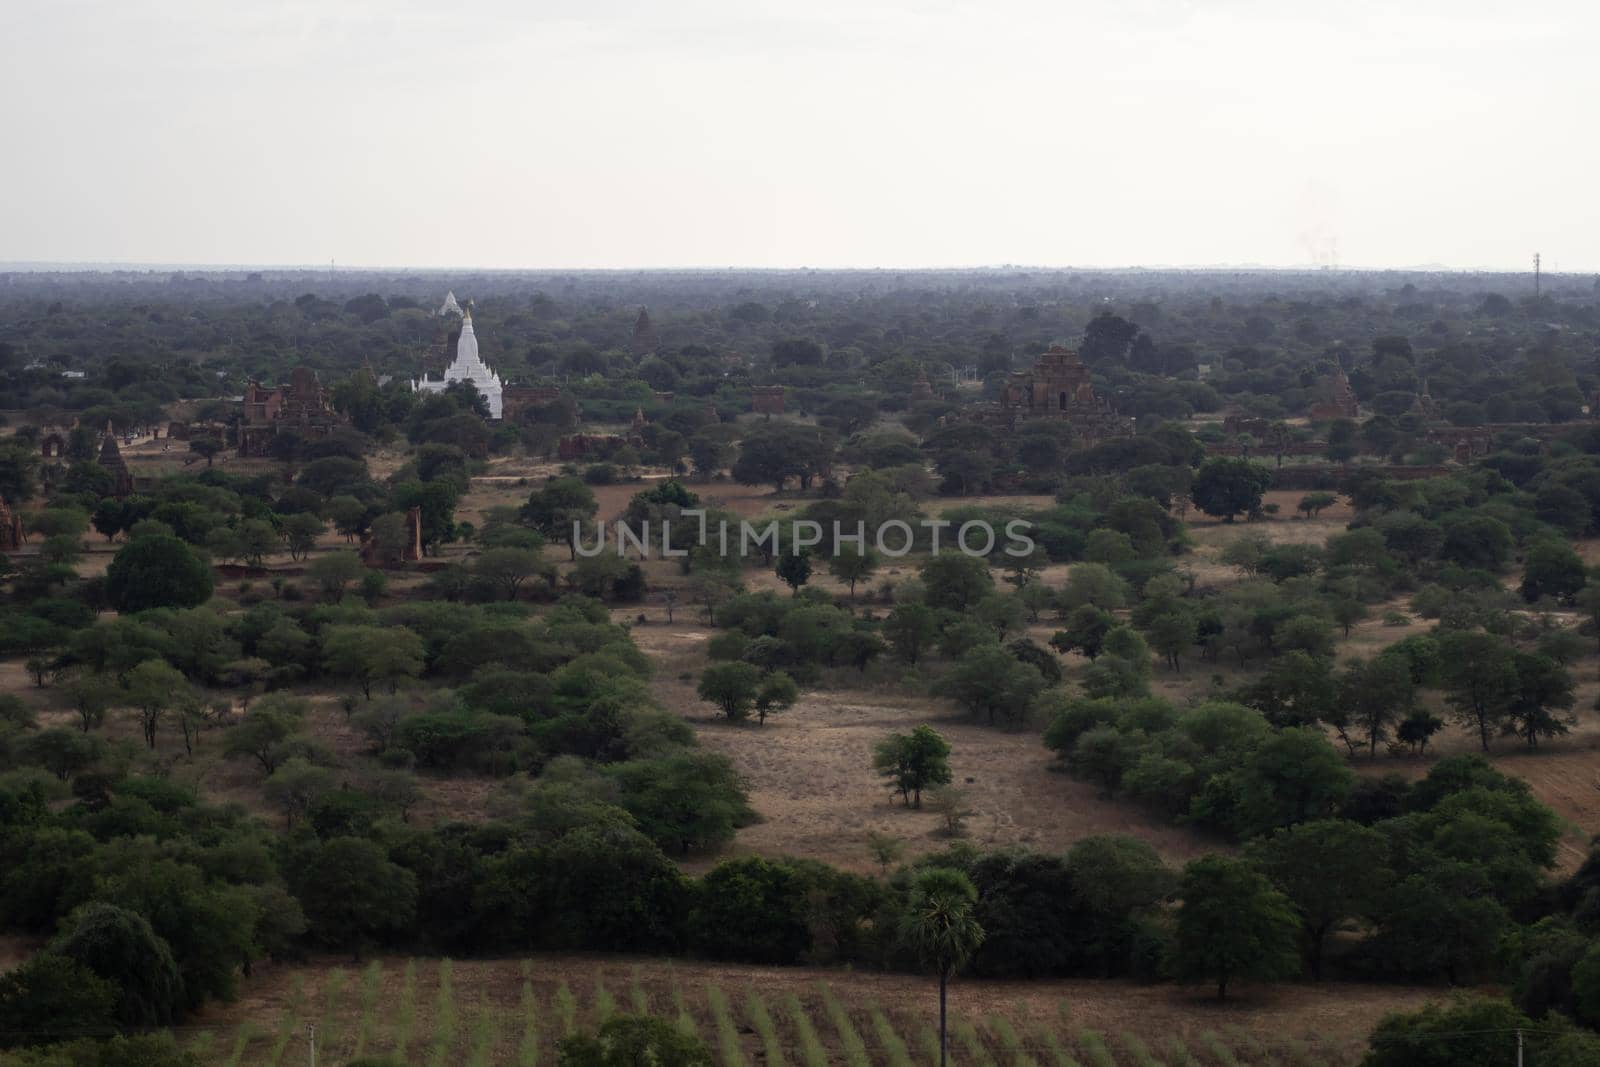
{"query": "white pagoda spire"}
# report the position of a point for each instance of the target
(467, 367)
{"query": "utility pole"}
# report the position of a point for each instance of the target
(1519, 1046)
(1536, 275)
(311, 1035)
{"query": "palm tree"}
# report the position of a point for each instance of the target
(939, 926)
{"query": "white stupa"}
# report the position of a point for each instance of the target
(450, 307)
(466, 367)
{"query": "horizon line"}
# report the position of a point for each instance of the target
(153, 266)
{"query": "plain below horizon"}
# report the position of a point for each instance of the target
(113, 267)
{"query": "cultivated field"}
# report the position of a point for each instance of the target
(481, 1013)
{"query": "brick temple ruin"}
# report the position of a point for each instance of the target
(1335, 400)
(111, 460)
(766, 399)
(300, 407)
(1058, 387)
(11, 535)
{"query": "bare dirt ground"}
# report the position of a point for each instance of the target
(809, 770)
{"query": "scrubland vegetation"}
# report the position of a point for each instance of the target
(1247, 731)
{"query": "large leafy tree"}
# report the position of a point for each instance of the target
(1225, 487)
(157, 571)
(779, 451)
(991, 683)
(1233, 925)
(1331, 870)
(1552, 569)
(913, 762)
(154, 687)
(910, 628)
(1475, 1032)
(1543, 686)
(1479, 676)
(731, 687)
(956, 581)
(1292, 776)
(372, 655)
(1375, 696)
(559, 510)
(52, 997)
(119, 946)
(352, 894)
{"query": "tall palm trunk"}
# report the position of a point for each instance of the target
(944, 977)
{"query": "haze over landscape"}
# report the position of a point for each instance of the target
(740, 534)
(834, 133)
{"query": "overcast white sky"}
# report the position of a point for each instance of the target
(614, 133)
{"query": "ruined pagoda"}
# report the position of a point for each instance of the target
(111, 459)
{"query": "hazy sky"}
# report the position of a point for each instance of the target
(596, 133)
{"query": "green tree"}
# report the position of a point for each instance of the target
(1172, 633)
(1479, 677)
(955, 581)
(1093, 583)
(349, 516)
(157, 572)
(64, 753)
(353, 896)
(1377, 695)
(296, 786)
(781, 451)
(559, 510)
(940, 927)
(334, 572)
(1542, 686)
(508, 568)
(1225, 487)
(372, 655)
(794, 568)
(207, 447)
(1293, 775)
(91, 696)
(153, 687)
(1331, 870)
(1087, 626)
(1475, 1032)
(1312, 504)
(300, 533)
(731, 687)
(683, 801)
(853, 567)
(256, 539)
(990, 682)
(909, 629)
(52, 998)
(913, 762)
(119, 946)
(262, 733)
(1232, 925)
(777, 692)
(1552, 569)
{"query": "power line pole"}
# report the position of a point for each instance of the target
(311, 1035)
(1519, 1046)
(1536, 275)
